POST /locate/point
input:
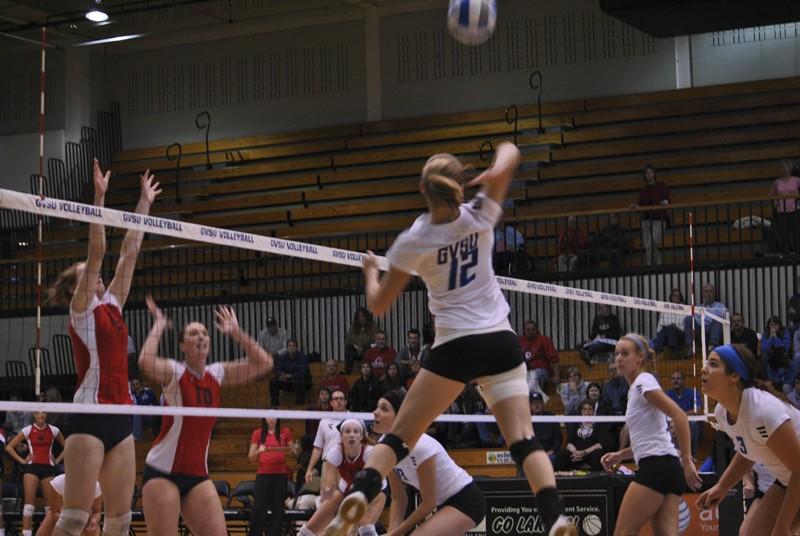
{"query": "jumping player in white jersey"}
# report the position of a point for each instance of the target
(443, 485)
(99, 447)
(450, 247)
(764, 427)
(654, 495)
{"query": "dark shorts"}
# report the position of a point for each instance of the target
(466, 358)
(663, 474)
(469, 501)
(40, 470)
(110, 429)
(184, 483)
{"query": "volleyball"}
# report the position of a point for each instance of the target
(472, 22)
(592, 525)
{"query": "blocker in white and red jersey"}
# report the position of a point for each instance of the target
(40, 443)
(182, 446)
(100, 345)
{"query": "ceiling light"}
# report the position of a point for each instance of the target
(95, 15)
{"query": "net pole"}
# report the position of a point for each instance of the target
(37, 373)
(691, 294)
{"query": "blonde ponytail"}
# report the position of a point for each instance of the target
(442, 177)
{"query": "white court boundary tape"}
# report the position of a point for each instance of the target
(244, 413)
(72, 210)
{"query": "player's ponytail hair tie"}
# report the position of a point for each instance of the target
(734, 361)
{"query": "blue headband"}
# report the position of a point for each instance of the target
(635, 340)
(732, 358)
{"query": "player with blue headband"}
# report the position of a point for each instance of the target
(764, 427)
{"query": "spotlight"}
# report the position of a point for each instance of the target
(96, 13)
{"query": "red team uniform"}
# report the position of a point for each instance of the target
(40, 445)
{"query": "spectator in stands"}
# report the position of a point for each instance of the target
(540, 355)
(654, 222)
(689, 401)
(323, 404)
(380, 355)
(412, 351)
(573, 391)
(670, 337)
(595, 393)
(548, 433)
(415, 368)
(291, 374)
(489, 433)
(17, 420)
(359, 338)
(365, 392)
(615, 391)
(333, 380)
(273, 339)
(269, 445)
(607, 245)
(776, 356)
(571, 243)
(144, 396)
(743, 335)
(713, 327)
(787, 224)
(585, 444)
(509, 250)
(606, 329)
(794, 395)
(392, 379)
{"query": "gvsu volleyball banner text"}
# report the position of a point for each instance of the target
(592, 502)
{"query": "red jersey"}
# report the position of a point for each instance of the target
(100, 345)
(539, 352)
(379, 360)
(40, 443)
(182, 446)
(272, 462)
(337, 383)
(347, 467)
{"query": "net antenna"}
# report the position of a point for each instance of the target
(37, 372)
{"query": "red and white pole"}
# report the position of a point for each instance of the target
(38, 365)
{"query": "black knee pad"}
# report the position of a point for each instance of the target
(521, 449)
(397, 445)
(369, 482)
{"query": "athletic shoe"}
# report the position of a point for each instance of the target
(352, 509)
(562, 527)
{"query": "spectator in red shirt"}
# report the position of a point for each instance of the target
(379, 356)
(333, 381)
(269, 445)
(541, 356)
(571, 243)
(654, 222)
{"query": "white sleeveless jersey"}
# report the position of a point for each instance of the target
(648, 427)
(760, 414)
(455, 261)
(58, 484)
(450, 478)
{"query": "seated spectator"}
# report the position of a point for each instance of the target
(670, 337)
(573, 391)
(273, 339)
(654, 222)
(742, 335)
(585, 444)
(391, 380)
(615, 391)
(359, 338)
(689, 401)
(412, 351)
(540, 355)
(594, 393)
(793, 309)
(509, 250)
(548, 433)
(323, 404)
(571, 243)
(607, 245)
(786, 189)
(333, 380)
(713, 327)
(776, 357)
(415, 368)
(380, 355)
(794, 395)
(144, 396)
(365, 391)
(603, 336)
(291, 374)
